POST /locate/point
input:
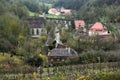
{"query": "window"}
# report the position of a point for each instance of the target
(51, 60)
(58, 59)
(37, 31)
(63, 60)
(32, 31)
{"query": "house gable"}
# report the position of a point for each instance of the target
(79, 23)
(98, 29)
(36, 26)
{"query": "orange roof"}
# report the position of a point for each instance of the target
(97, 27)
(79, 23)
(53, 10)
(66, 11)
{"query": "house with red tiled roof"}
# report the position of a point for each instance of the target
(54, 11)
(79, 23)
(65, 11)
(80, 27)
(59, 11)
(98, 29)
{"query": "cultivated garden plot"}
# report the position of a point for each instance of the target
(94, 71)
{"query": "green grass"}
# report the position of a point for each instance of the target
(104, 76)
(32, 13)
(47, 5)
(15, 59)
(54, 16)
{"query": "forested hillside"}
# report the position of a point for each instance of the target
(13, 29)
(77, 4)
(11, 25)
(15, 36)
(21, 8)
(105, 10)
(56, 35)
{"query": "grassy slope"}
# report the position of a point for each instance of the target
(47, 15)
(54, 16)
(46, 4)
(16, 60)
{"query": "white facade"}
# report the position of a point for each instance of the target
(54, 11)
(37, 32)
(57, 35)
(91, 33)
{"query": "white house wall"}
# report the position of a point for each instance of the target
(34, 33)
(91, 33)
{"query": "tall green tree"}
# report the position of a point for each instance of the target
(10, 30)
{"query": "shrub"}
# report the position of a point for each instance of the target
(35, 61)
(92, 56)
(113, 56)
(99, 56)
(104, 76)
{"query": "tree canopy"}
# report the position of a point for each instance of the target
(92, 9)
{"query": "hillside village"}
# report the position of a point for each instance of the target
(44, 36)
(78, 28)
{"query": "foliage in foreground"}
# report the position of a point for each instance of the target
(104, 76)
(60, 76)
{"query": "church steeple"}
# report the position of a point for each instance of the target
(57, 36)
